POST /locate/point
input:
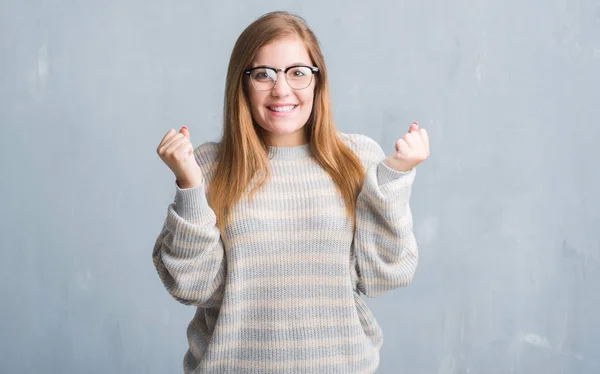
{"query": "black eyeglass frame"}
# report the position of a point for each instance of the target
(313, 69)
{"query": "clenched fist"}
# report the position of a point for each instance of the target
(411, 149)
(177, 152)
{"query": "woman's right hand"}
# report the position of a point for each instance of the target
(177, 152)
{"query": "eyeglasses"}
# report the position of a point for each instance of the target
(298, 77)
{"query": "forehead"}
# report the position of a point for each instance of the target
(282, 52)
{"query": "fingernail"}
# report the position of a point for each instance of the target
(183, 127)
(414, 123)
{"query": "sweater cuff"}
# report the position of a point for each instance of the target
(386, 174)
(191, 204)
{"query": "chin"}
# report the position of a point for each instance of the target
(284, 131)
(283, 128)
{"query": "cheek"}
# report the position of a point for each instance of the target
(256, 102)
(307, 98)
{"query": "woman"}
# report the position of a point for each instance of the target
(278, 228)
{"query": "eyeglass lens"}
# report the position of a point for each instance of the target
(298, 77)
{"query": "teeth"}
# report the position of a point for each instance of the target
(282, 108)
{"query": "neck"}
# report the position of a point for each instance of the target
(294, 139)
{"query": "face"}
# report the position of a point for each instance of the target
(282, 111)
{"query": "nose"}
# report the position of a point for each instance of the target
(281, 88)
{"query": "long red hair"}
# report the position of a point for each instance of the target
(242, 154)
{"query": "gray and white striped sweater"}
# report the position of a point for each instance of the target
(281, 291)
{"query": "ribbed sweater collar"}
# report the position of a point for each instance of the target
(289, 153)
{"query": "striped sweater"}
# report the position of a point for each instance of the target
(280, 292)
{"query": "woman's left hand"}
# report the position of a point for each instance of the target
(411, 150)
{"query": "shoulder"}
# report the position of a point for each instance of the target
(206, 156)
(366, 148)
(207, 152)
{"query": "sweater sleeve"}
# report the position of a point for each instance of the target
(384, 247)
(188, 254)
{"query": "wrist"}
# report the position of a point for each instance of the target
(397, 166)
(186, 183)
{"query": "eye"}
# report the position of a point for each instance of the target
(297, 72)
(260, 75)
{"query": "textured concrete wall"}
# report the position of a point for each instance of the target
(506, 209)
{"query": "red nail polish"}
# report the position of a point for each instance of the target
(414, 123)
(183, 127)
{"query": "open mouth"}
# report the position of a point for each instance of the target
(282, 109)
